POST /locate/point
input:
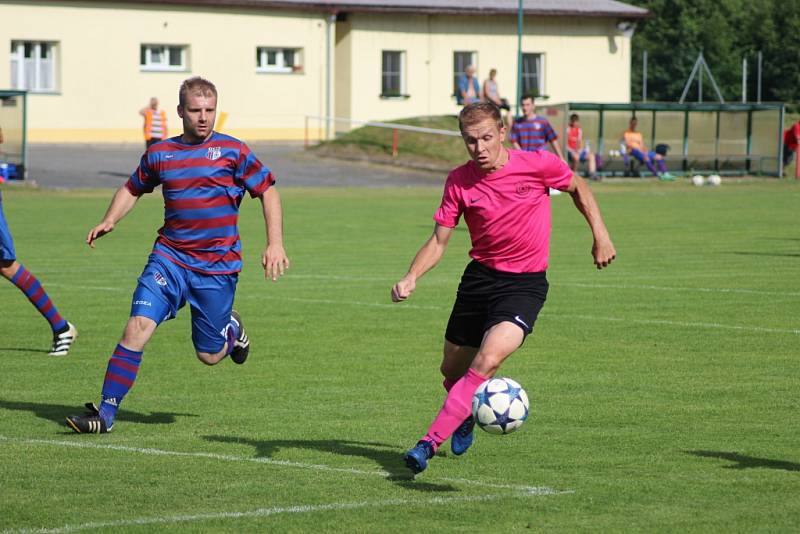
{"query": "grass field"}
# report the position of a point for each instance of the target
(665, 390)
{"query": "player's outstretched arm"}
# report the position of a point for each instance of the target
(274, 259)
(121, 204)
(602, 249)
(425, 260)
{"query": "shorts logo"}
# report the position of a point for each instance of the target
(523, 189)
(142, 303)
(214, 152)
(520, 321)
(159, 278)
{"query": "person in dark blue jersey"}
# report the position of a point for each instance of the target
(196, 257)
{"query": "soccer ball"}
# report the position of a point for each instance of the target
(698, 180)
(714, 179)
(500, 406)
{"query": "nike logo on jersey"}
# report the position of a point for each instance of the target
(520, 321)
(474, 200)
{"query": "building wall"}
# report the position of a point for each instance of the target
(101, 87)
(584, 59)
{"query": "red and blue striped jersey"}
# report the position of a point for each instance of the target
(203, 186)
(532, 134)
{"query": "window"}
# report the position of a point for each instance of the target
(392, 79)
(532, 79)
(33, 66)
(460, 62)
(162, 57)
(278, 59)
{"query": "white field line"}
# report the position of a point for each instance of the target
(259, 512)
(532, 490)
(685, 289)
(405, 305)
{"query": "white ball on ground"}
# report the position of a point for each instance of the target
(500, 406)
(714, 179)
(698, 180)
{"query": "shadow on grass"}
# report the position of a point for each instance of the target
(388, 457)
(58, 412)
(22, 349)
(747, 462)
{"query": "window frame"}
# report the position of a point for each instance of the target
(458, 72)
(400, 73)
(280, 67)
(18, 55)
(539, 75)
(149, 66)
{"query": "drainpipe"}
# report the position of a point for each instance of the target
(330, 28)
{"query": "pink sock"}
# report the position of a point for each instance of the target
(457, 407)
(448, 384)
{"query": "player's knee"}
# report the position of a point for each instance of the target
(137, 332)
(210, 359)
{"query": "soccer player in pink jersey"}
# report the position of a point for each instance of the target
(503, 197)
(204, 175)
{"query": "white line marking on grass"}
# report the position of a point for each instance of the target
(690, 289)
(795, 331)
(259, 512)
(405, 305)
(533, 490)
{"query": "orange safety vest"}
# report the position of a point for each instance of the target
(148, 124)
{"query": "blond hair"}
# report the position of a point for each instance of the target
(196, 85)
(478, 112)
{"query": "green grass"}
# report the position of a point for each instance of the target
(664, 389)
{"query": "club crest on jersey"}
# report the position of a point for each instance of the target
(523, 189)
(159, 278)
(214, 152)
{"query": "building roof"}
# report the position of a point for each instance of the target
(584, 8)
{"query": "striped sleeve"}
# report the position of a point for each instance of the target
(549, 133)
(144, 179)
(253, 175)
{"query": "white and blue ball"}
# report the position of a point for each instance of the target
(500, 406)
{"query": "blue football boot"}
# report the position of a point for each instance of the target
(417, 457)
(463, 437)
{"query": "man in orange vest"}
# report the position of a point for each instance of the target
(155, 123)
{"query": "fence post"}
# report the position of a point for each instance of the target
(394, 143)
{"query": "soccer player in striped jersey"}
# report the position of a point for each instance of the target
(64, 332)
(197, 256)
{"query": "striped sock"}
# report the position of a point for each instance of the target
(29, 284)
(120, 375)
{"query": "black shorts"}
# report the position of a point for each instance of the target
(487, 297)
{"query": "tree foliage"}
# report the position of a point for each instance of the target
(726, 31)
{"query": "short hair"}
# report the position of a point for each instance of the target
(492, 72)
(527, 97)
(574, 117)
(477, 112)
(196, 84)
(634, 118)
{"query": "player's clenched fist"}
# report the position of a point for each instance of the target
(403, 289)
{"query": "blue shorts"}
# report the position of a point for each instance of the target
(165, 287)
(7, 251)
(638, 154)
(581, 155)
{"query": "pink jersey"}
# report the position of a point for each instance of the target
(507, 212)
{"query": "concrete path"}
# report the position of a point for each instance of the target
(109, 165)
